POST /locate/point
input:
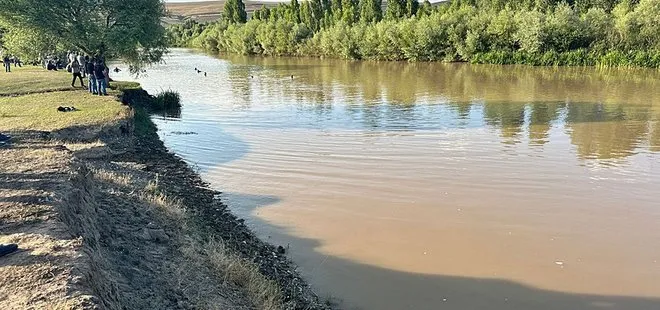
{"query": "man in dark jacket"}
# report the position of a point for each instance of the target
(6, 63)
(99, 75)
(89, 68)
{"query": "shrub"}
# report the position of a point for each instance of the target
(166, 100)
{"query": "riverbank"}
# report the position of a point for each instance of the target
(105, 217)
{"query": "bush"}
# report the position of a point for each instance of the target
(166, 100)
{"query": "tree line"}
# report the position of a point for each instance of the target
(535, 32)
(131, 30)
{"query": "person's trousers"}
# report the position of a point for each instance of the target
(93, 86)
(102, 87)
(77, 75)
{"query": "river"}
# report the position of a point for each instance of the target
(434, 186)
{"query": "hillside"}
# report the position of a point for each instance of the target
(208, 11)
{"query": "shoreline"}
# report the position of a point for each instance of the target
(106, 217)
(215, 219)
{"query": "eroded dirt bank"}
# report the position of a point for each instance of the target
(107, 218)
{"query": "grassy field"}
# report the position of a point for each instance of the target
(39, 111)
(29, 79)
(29, 99)
(195, 8)
(209, 11)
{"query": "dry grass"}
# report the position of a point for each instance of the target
(195, 8)
(263, 293)
(81, 146)
(112, 177)
(29, 79)
(171, 206)
(190, 9)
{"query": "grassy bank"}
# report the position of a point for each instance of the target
(29, 79)
(106, 217)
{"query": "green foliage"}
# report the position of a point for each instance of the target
(181, 35)
(395, 9)
(30, 44)
(371, 10)
(131, 30)
(336, 9)
(167, 100)
(349, 11)
(411, 8)
(534, 32)
(425, 9)
(293, 12)
(234, 12)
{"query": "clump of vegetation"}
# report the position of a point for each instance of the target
(167, 100)
(552, 32)
(122, 85)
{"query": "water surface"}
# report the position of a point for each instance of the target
(434, 186)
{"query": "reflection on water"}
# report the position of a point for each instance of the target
(407, 186)
(516, 100)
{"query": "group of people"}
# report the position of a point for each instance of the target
(94, 69)
(7, 61)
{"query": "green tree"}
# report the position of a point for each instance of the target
(411, 8)
(395, 9)
(307, 16)
(317, 13)
(29, 44)
(293, 12)
(371, 10)
(426, 9)
(131, 30)
(644, 22)
(234, 12)
(336, 10)
(349, 11)
(326, 6)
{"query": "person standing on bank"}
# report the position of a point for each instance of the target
(82, 62)
(99, 74)
(76, 71)
(89, 68)
(7, 63)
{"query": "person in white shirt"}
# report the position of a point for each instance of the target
(82, 63)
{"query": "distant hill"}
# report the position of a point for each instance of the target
(207, 11)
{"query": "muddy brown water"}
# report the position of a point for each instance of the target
(434, 186)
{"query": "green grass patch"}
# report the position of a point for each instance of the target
(30, 79)
(122, 85)
(39, 111)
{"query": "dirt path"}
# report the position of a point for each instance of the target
(50, 264)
